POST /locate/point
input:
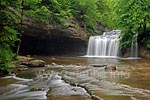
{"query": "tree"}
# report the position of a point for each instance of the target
(54, 11)
(88, 13)
(107, 13)
(35, 9)
(133, 17)
(9, 28)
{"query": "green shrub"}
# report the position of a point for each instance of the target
(6, 56)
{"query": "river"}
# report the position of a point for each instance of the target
(80, 78)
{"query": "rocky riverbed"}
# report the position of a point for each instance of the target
(65, 78)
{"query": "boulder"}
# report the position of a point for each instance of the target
(36, 63)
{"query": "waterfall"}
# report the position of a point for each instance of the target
(134, 46)
(106, 45)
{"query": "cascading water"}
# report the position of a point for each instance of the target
(134, 46)
(106, 45)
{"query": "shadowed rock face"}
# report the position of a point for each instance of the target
(58, 41)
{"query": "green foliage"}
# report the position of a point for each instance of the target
(8, 37)
(130, 16)
(147, 43)
(9, 27)
(34, 9)
(6, 57)
(84, 12)
(133, 18)
(61, 11)
(107, 13)
(56, 11)
(88, 13)
(88, 9)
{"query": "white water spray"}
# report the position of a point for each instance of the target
(106, 45)
(134, 46)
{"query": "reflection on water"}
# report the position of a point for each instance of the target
(139, 70)
(129, 82)
(102, 61)
(79, 60)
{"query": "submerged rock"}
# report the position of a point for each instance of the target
(110, 68)
(98, 65)
(30, 62)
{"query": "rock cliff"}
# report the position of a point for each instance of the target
(41, 38)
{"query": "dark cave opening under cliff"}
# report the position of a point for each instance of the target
(53, 46)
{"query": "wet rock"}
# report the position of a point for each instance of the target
(59, 88)
(98, 65)
(73, 97)
(36, 89)
(36, 63)
(30, 62)
(110, 68)
(54, 64)
(24, 63)
(94, 97)
(22, 68)
(144, 53)
(24, 58)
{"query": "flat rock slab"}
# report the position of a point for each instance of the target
(69, 98)
(24, 58)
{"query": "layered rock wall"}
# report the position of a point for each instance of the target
(40, 38)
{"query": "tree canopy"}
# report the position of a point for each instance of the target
(9, 28)
(133, 17)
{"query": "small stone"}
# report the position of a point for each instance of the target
(54, 64)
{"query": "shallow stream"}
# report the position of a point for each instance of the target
(79, 78)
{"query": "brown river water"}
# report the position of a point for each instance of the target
(77, 78)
